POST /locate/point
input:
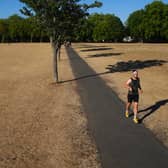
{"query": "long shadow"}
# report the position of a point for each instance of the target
(120, 67)
(130, 65)
(72, 58)
(84, 77)
(96, 49)
(152, 108)
(104, 55)
(89, 46)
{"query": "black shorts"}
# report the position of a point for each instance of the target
(133, 98)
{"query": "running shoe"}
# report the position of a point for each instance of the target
(136, 120)
(126, 114)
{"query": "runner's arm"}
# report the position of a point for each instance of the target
(139, 87)
(128, 84)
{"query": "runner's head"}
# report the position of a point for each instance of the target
(135, 73)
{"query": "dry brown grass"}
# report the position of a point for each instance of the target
(41, 123)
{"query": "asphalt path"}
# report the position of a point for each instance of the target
(120, 142)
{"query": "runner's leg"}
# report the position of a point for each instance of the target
(135, 109)
(128, 105)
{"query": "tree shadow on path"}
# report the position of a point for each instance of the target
(84, 77)
(149, 110)
(96, 49)
(103, 55)
(130, 65)
(119, 67)
(89, 46)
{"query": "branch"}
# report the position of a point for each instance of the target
(96, 4)
(27, 12)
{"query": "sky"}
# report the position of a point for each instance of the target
(121, 8)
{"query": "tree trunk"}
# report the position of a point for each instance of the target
(41, 37)
(59, 53)
(51, 40)
(31, 37)
(55, 62)
(3, 39)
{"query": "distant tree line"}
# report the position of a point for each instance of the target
(18, 29)
(147, 25)
(101, 28)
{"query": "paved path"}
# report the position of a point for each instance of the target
(121, 143)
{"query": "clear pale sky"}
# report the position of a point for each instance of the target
(121, 8)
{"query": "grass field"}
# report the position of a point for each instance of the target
(41, 126)
(152, 62)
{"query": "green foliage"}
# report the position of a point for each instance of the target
(84, 33)
(58, 17)
(18, 29)
(3, 30)
(150, 24)
(154, 21)
(68, 19)
(108, 28)
(15, 27)
(134, 24)
(100, 27)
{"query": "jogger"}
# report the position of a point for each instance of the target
(134, 87)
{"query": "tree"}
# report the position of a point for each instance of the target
(135, 25)
(33, 29)
(164, 30)
(18, 29)
(3, 29)
(84, 33)
(155, 19)
(58, 18)
(108, 28)
(149, 24)
(15, 27)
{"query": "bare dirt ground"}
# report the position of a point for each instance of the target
(152, 62)
(42, 124)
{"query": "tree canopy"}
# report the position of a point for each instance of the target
(18, 29)
(150, 24)
(108, 28)
(58, 17)
(101, 27)
(133, 25)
